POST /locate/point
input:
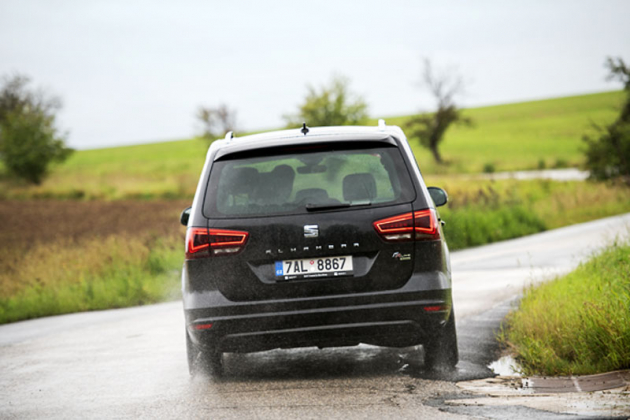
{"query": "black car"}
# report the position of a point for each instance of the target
(315, 237)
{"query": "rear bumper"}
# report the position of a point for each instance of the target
(398, 318)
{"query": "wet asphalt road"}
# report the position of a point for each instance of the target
(130, 363)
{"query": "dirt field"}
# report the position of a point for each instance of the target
(24, 224)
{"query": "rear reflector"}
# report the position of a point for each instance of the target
(435, 308)
(419, 225)
(202, 326)
(202, 242)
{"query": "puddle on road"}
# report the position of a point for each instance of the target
(412, 364)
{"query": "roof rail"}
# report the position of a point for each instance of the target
(381, 124)
(229, 135)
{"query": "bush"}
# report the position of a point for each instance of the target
(331, 105)
(29, 144)
(489, 168)
(608, 156)
(561, 163)
(29, 141)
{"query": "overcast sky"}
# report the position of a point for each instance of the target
(135, 71)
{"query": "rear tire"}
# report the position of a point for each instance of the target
(208, 361)
(441, 351)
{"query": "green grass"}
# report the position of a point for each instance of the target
(578, 324)
(477, 226)
(505, 137)
(115, 272)
(482, 211)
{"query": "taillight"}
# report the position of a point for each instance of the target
(419, 225)
(202, 242)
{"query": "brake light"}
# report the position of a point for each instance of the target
(202, 242)
(419, 225)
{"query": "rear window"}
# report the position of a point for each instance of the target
(299, 181)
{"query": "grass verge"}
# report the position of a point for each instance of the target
(114, 272)
(475, 226)
(578, 324)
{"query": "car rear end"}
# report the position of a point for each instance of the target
(324, 239)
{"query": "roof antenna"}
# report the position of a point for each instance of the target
(304, 129)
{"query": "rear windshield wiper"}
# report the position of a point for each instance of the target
(322, 207)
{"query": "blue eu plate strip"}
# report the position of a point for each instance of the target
(279, 269)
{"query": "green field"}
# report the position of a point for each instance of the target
(158, 170)
(523, 135)
(515, 136)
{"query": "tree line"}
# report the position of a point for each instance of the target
(335, 104)
(607, 154)
(30, 140)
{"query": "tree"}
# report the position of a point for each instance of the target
(332, 104)
(429, 129)
(620, 71)
(608, 154)
(217, 122)
(29, 139)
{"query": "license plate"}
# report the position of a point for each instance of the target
(315, 267)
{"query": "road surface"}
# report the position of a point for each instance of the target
(130, 363)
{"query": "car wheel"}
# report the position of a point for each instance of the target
(207, 360)
(441, 351)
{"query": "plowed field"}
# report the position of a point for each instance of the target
(24, 224)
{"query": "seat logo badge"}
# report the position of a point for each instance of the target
(401, 257)
(311, 231)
